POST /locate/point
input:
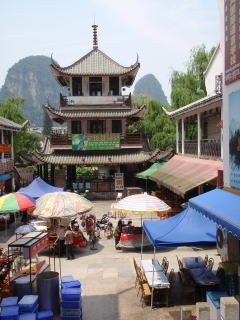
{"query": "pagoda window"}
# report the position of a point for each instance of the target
(114, 86)
(116, 126)
(96, 126)
(95, 86)
(77, 86)
(76, 126)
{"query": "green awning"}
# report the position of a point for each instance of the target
(146, 173)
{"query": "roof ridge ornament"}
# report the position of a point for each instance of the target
(95, 40)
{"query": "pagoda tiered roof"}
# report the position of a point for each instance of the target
(70, 157)
(94, 113)
(95, 63)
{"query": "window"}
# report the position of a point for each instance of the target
(95, 86)
(116, 126)
(205, 130)
(77, 86)
(76, 126)
(96, 126)
(114, 86)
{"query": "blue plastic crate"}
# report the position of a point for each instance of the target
(28, 316)
(9, 313)
(72, 304)
(28, 303)
(8, 302)
(71, 312)
(71, 284)
(67, 279)
(45, 315)
(71, 294)
(71, 317)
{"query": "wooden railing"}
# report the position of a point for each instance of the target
(208, 148)
(63, 138)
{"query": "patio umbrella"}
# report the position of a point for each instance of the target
(26, 228)
(14, 201)
(61, 205)
(141, 204)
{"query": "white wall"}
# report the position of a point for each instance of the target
(215, 68)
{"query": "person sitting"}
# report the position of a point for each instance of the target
(129, 227)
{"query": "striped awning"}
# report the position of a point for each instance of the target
(182, 174)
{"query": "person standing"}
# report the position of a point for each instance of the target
(117, 233)
(68, 237)
(61, 240)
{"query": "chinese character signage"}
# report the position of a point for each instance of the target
(119, 182)
(60, 178)
(232, 41)
(102, 141)
(234, 139)
(5, 148)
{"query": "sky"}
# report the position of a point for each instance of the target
(161, 32)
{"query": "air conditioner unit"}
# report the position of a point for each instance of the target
(228, 246)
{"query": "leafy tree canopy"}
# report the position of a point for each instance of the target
(189, 86)
(155, 125)
(11, 108)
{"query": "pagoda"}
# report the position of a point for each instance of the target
(95, 115)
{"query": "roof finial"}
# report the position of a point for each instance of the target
(95, 41)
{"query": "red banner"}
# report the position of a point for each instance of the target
(39, 246)
(232, 41)
(5, 147)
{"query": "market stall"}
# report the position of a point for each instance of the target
(26, 263)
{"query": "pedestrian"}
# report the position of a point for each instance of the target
(68, 237)
(117, 233)
(61, 240)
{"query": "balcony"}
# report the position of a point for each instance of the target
(62, 139)
(66, 101)
(209, 148)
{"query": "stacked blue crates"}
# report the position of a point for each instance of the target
(28, 307)
(9, 309)
(71, 300)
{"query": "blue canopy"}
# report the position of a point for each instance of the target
(187, 228)
(221, 207)
(38, 188)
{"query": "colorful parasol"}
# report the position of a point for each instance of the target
(13, 202)
(61, 204)
(140, 204)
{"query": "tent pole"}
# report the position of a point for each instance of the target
(154, 253)
(142, 238)
(146, 184)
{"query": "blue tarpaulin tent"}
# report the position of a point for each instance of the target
(38, 188)
(187, 228)
(219, 206)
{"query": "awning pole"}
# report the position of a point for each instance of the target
(154, 252)
(142, 239)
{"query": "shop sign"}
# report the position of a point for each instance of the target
(234, 139)
(60, 178)
(5, 148)
(103, 141)
(232, 41)
(43, 243)
(119, 181)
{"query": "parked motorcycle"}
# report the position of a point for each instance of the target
(101, 223)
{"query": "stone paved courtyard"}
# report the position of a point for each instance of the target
(107, 276)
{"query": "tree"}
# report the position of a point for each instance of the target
(189, 86)
(47, 124)
(24, 141)
(156, 126)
